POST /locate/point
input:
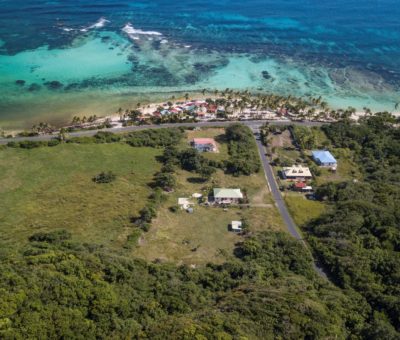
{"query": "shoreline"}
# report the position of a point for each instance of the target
(186, 106)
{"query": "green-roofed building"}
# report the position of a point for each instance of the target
(227, 196)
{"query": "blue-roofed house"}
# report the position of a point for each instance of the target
(324, 158)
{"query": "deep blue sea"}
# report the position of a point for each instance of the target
(61, 58)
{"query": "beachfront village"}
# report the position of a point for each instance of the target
(208, 107)
(224, 106)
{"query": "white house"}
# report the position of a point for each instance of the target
(297, 172)
(227, 196)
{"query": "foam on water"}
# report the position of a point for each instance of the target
(130, 30)
(99, 24)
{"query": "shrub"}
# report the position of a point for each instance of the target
(31, 144)
(53, 142)
(104, 177)
(52, 237)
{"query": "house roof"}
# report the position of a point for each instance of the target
(300, 185)
(297, 171)
(323, 156)
(227, 193)
(204, 141)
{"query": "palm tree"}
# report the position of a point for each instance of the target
(186, 96)
(62, 135)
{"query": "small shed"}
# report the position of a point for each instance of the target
(184, 203)
(236, 226)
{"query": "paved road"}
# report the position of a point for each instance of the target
(253, 124)
(276, 194)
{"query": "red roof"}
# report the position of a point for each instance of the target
(300, 185)
(204, 141)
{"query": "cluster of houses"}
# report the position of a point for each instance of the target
(203, 110)
(198, 108)
(301, 175)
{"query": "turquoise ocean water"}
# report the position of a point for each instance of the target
(61, 58)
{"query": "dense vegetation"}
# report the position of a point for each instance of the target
(244, 158)
(359, 241)
(63, 289)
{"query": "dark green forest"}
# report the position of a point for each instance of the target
(359, 241)
(63, 289)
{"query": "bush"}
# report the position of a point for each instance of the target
(107, 137)
(31, 144)
(13, 144)
(52, 237)
(53, 142)
(155, 137)
(104, 177)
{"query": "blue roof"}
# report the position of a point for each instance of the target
(323, 156)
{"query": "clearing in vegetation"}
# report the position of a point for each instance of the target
(203, 236)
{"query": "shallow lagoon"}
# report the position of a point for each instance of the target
(89, 59)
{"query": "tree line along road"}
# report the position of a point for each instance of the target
(254, 124)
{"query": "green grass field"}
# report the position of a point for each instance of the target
(173, 235)
(50, 188)
(303, 210)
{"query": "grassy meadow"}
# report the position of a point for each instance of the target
(303, 210)
(51, 188)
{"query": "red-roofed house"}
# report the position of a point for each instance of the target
(204, 144)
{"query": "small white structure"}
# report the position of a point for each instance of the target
(236, 226)
(297, 172)
(197, 195)
(184, 203)
(227, 196)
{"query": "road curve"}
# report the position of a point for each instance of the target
(283, 210)
(88, 133)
